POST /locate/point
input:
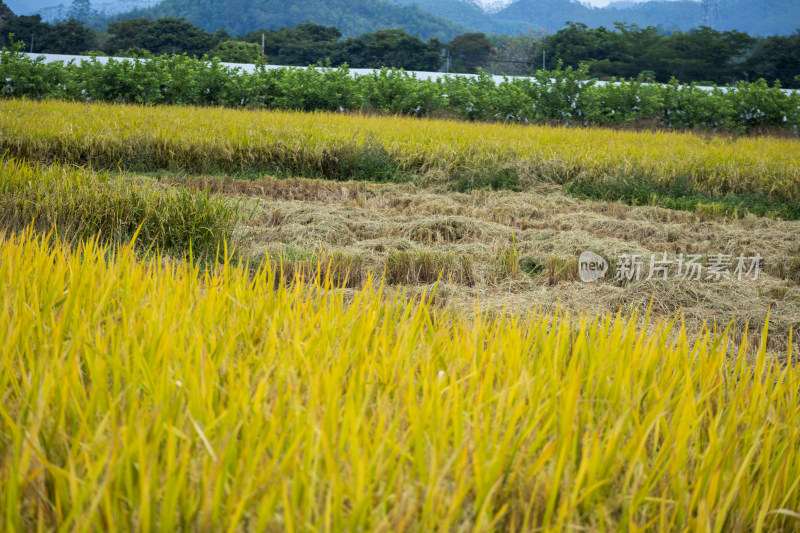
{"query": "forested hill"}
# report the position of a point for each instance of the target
(756, 17)
(467, 14)
(4, 10)
(442, 18)
(352, 17)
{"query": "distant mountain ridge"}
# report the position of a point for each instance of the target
(446, 18)
(756, 17)
(352, 17)
(491, 6)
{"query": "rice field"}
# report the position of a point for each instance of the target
(331, 145)
(192, 343)
(144, 395)
(80, 204)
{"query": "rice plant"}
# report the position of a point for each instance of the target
(421, 266)
(158, 396)
(80, 204)
(761, 173)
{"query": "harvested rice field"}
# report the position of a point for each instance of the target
(221, 320)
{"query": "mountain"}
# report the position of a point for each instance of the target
(548, 15)
(491, 6)
(54, 13)
(756, 17)
(767, 17)
(512, 17)
(352, 17)
(445, 18)
(473, 15)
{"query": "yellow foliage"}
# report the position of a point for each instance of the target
(158, 396)
(217, 139)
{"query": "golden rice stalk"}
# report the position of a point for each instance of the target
(159, 396)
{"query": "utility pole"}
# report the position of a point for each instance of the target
(262, 45)
(544, 57)
(31, 43)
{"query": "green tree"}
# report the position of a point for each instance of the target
(80, 10)
(705, 54)
(222, 35)
(70, 37)
(777, 58)
(702, 54)
(391, 48)
(637, 48)
(470, 51)
(125, 34)
(26, 29)
(625, 52)
(175, 36)
(236, 52)
(517, 55)
(304, 44)
(5, 11)
(576, 44)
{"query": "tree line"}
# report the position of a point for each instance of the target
(302, 44)
(702, 55)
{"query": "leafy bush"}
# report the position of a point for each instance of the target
(563, 95)
(237, 52)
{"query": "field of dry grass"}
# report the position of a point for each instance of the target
(515, 248)
(543, 228)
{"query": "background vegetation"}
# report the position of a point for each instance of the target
(701, 54)
(625, 50)
(353, 17)
(564, 96)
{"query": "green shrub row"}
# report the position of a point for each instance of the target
(681, 196)
(565, 96)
